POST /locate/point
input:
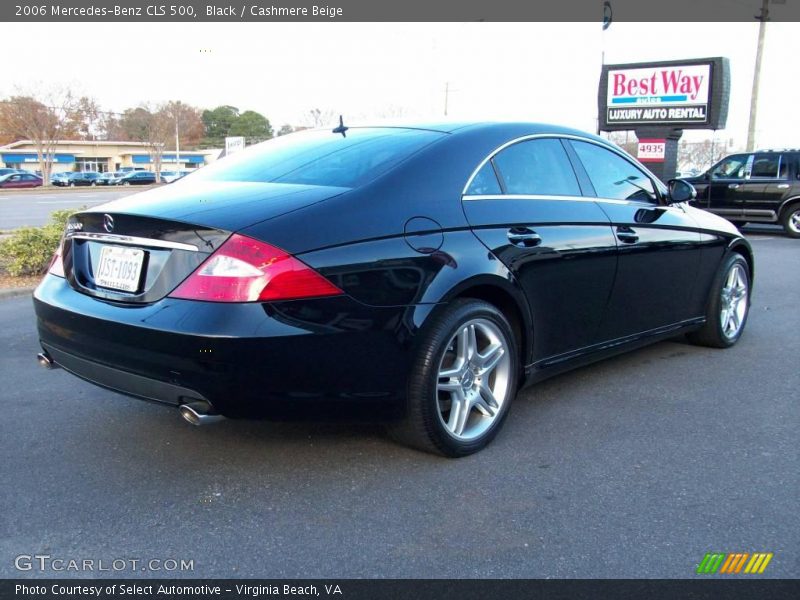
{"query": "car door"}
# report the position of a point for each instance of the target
(15, 181)
(769, 184)
(659, 246)
(728, 186)
(29, 181)
(526, 205)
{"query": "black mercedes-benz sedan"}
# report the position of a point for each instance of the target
(432, 269)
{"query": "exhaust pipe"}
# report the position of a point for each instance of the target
(46, 361)
(199, 412)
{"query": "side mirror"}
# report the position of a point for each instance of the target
(680, 191)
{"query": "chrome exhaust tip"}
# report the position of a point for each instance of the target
(199, 413)
(46, 361)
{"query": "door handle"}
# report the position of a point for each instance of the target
(733, 186)
(626, 235)
(524, 237)
(783, 186)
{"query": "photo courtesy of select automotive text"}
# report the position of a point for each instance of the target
(366, 299)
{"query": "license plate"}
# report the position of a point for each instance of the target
(119, 268)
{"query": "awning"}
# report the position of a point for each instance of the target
(30, 157)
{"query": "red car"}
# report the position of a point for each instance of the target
(20, 180)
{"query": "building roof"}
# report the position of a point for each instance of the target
(134, 145)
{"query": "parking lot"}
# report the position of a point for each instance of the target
(21, 209)
(633, 467)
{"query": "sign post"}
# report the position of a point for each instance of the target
(659, 100)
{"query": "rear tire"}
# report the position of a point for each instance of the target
(462, 381)
(728, 305)
(791, 220)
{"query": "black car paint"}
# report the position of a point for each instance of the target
(401, 248)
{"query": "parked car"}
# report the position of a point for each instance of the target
(6, 171)
(57, 177)
(20, 180)
(753, 187)
(172, 176)
(84, 178)
(432, 270)
(108, 177)
(135, 178)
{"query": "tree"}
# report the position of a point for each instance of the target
(624, 140)
(699, 155)
(42, 119)
(151, 127)
(218, 123)
(285, 130)
(84, 120)
(253, 126)
(186, 120)
(225, 121)
(320, 118)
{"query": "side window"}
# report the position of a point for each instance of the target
(537, 166)
(612, 176)
(766, 166)
(485, 182)
(733, 167)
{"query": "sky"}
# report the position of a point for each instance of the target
(544, 72)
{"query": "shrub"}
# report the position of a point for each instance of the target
(28, 251)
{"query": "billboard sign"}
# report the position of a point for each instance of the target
(233, 144)
(678, 94)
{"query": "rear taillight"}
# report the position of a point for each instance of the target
(246, 270)
(57, 263)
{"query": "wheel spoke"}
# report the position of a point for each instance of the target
(490, 359)
(459, 412)
(488, 396)
(454, 371)
(472, 342)
(484, 407)
(449, 386)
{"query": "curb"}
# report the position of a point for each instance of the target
(14, 292)
(74, 190)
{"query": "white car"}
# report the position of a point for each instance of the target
(170, 176)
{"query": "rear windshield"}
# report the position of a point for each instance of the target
(321, 157)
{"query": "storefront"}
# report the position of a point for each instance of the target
(100, 156)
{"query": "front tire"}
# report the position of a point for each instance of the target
(462, 381)
(728, 305)
(791, 221)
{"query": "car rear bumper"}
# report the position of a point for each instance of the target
(245, 359)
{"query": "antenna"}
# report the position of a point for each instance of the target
(341, 128)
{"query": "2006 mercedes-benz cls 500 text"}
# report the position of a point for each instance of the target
(433, 269)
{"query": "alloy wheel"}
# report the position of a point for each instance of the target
(733, 303)
(794, 221)
(473, 379)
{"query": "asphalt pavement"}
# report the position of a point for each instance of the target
(33, 208)
(633, 467)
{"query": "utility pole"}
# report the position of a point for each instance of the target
(763, 17)
(446, 96)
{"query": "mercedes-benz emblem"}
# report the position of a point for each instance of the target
(108, 223)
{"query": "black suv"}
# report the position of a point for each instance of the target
(755, 187)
